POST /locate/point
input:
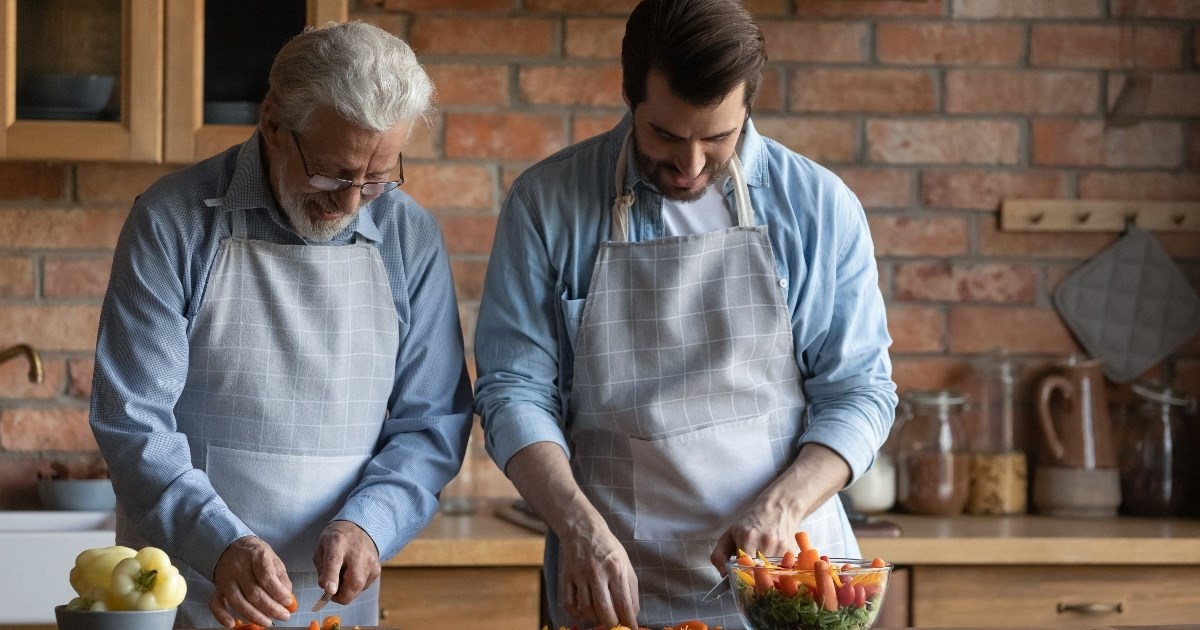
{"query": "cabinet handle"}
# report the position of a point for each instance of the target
(383, 613)
(1091, 608)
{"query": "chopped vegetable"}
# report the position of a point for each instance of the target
(147, 581)
(313, 625)
(292, 605)
(331, 622)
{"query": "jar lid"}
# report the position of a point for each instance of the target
(1162, 394)
(936, 397)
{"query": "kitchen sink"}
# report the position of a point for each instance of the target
(37, 550)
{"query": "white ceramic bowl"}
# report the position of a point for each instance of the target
(77, 494)
(114, 620)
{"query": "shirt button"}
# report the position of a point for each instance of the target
(783, 282)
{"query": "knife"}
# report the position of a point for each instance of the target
(324, 599)
(719, 589)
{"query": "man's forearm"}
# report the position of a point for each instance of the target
(542, 474)
(817, 473)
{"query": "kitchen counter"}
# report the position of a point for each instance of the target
(482, 539)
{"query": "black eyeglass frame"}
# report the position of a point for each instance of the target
(325, 183)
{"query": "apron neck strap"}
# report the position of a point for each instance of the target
(237, 219)
(623, 197)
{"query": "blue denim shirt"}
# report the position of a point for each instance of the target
(547, 235)
(160, 272)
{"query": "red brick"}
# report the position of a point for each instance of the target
(879, 187)
(53, 429)
(116, 183)
(928, 372)
(15, 383)
(874, 8)
(942, 281)
(50, 328)
(770, 91)
(950, 44)
(18, 480)
(835, 42)
(1016, 92)
(60, 228)
(1051, 245)
(767, 7)
(447, 5)
(394, 23)
(984, 190)
(469, 84)
(16, 277)
(900, 235)
(1090, 143)
(916, 328)
(1020, 330)
(448, 185)
(1176, 95)
(1180, 245)
(32, 180)
(571, 85)
(468, 233)
(509, 174)
(80, 373)
(1104, 46)
(482, 36)
(956, 142)
(843, 90)
(1027, 9)
(468, 277)
(620, 7)
(584, 126)
(1196, 47)
(422, 144)
(596, 38)
(1140, 185)
(75, 277)
(1177, 9)
(823, 140)
(504, 136)
(1194, 148)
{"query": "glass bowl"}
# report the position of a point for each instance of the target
(770, 597)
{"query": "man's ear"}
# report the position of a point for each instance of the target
(268, 121)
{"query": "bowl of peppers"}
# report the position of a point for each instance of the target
(804, 590)
(119, 588)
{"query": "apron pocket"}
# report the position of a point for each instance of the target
(287, 500)
(692, 486)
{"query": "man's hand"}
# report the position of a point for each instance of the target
(251, 580)
(596, 579)
(347, 561)
(765, 528)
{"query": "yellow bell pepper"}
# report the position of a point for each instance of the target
(147, 581)
(93, 568)
(93, 600)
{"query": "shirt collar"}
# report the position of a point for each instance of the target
(250, 189)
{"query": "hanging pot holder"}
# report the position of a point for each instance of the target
(1130, 306)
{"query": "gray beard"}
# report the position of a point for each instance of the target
(294, 203)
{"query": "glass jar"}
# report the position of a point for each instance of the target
(1153, 457)
(875, 490)
(933, 465)
(999, 470)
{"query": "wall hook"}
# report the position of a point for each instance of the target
(1178, 219)
(1082, 217)
(1037, 218)
(1130, 220)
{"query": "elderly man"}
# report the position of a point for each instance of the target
(681, 345)
(280, 388)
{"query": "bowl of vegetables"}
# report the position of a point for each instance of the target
(807, 591)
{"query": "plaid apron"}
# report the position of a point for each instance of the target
(686, 404)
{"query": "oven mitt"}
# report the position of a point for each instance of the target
(1130, 306)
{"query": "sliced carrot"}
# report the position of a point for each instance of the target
(788, 585)
(878, 563)
(744, 559)
(762, 580)
(806, 559)
(826, 591)
(803, 540)
(313, 625)
(788, 560)
(292, 605)
(331, 622)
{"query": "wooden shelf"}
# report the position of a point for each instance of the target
(1081, 215)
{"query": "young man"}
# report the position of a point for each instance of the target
(682, 347)
(280, 387)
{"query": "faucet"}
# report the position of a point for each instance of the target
(35, 361)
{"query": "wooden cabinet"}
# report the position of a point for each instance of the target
(155, 49)
(463, 598)
(1045, 596)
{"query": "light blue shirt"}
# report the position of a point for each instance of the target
(160, 269)
(556, 215)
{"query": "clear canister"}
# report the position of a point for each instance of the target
(1153, 455)
(933, 463)
(999, 470)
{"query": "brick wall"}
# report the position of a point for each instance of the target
(932, 111)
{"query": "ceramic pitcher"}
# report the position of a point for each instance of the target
(1078, 431)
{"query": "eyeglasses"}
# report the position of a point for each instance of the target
(326, 183)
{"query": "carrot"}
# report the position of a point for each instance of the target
(331, 622)
(762, 580)
(826, 591)
(806, 559)
(878, 563)
(292, 605)
(788, 586)
(694, 624)
(744, 559)
(313, 625)
(803, 540)
(788, 560)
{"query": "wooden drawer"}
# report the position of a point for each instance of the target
(990, 596)
(463, 598)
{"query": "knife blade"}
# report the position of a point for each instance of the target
(719, 589)
(324, 599)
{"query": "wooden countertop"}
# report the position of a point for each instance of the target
(481, 539)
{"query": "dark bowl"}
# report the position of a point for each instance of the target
(85, 93)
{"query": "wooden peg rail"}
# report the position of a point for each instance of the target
(1082, 215)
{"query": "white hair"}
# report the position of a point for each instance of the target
(371, 77)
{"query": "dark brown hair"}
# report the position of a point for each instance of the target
(704, 48)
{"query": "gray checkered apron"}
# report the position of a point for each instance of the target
(292, 359)
(686, 404)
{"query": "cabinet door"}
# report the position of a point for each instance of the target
(190, 132)
(462, 598)
(64, 40)
(1051, 596)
